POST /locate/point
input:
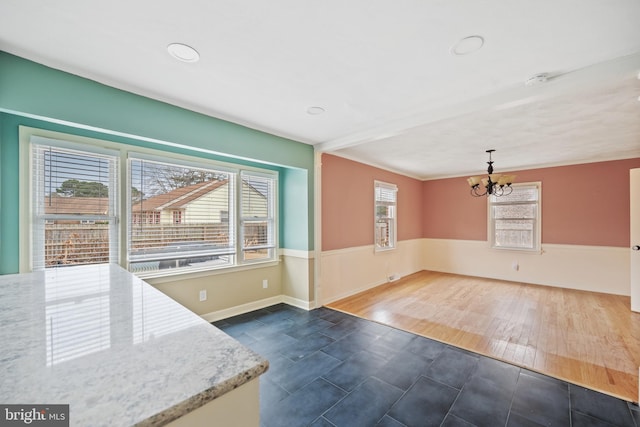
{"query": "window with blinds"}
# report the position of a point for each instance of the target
(385, 215)
(515, 218)
(257, 216)
(179, 216)
(156, 213)
(74, 202)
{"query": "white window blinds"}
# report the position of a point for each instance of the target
(515, 218)
(257, 216)
(385, 215)
(74, 206)
(179, 216)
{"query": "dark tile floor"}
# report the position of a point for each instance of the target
(331, 369)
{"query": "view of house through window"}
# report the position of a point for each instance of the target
(188, 206)
(257, 216)
(385, 215)
(74, 198)
(515, 218)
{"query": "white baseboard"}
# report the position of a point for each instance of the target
(305, 305)
(214, 316)
(241, 309)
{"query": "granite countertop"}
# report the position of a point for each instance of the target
(114, 348)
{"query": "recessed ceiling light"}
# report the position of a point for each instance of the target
(467, 45)
(314, 111)
(183, 53)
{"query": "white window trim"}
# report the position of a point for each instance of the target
(394, 243)
(538, 233)
(239, 220)
(26, 134)
(26, 176)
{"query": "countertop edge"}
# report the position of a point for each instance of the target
(204, 397)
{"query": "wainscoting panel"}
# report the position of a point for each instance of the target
(345, 272)
(589, 268)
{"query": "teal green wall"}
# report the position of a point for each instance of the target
(3, 194)
(295, 181)
(37, 96)
(9, 195)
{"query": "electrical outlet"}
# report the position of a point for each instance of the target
(265, 284)
(515, 265)
(203, 295)
(393, 277)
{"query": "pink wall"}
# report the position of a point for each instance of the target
(347, 203)
(584, 204)
(451, 213)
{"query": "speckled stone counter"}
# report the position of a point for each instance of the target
(114, 348)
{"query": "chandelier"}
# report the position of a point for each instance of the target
(496, 184)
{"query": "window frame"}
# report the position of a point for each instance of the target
(393, 244)
(177, 217)
(537, 223)
(127, 151)
(270, 218)
(37, 214)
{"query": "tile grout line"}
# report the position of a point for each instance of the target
(513, 396)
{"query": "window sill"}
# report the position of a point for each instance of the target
(519, 250)
(383, 250)
(167, 276)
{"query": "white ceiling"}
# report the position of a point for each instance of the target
(393, 94)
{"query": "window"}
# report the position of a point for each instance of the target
(179, 213)
(385, 215)
(74, 202)
(515, 218)
(257, 216)
(187, 206)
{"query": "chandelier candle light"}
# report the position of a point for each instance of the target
(496, 184)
